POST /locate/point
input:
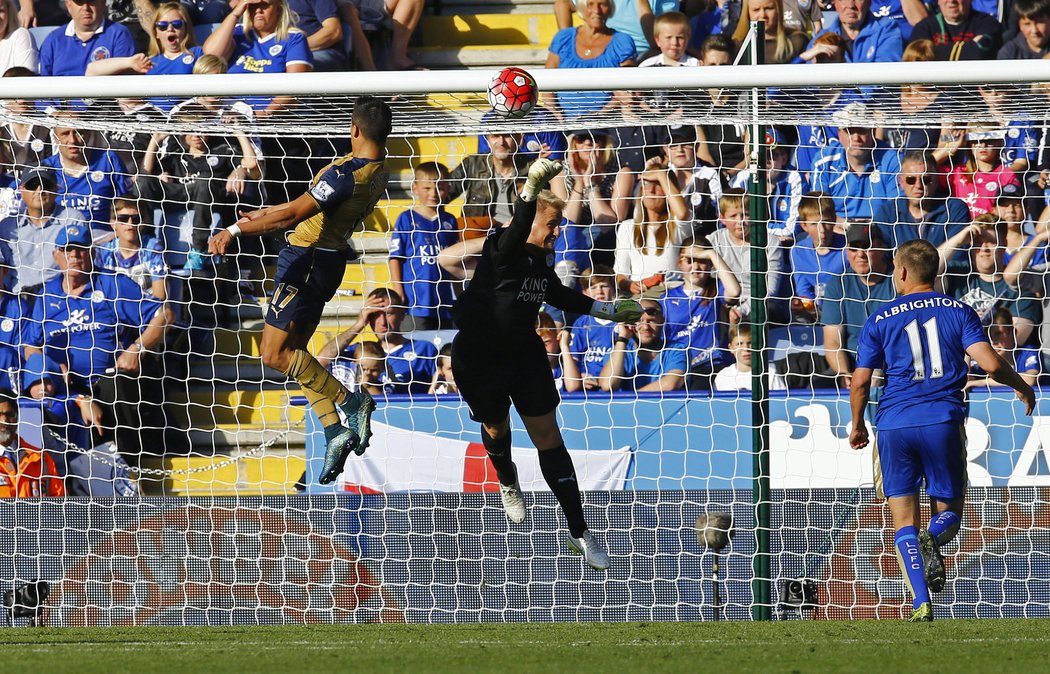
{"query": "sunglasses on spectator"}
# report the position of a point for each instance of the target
(129, 218)
(911, 180)
(650, 311)
(177, 24)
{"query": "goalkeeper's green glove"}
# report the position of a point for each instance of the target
(540, 174)
(620, 311)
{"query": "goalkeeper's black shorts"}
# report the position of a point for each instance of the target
(491, 379)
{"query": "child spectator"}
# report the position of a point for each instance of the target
(737, 375)
(592, 338)
(444, 379)
(700, 184)
(29, 143)
(1003, 336)
(732, 242)
(1021, 144)
(671, 33)
(696, 311)
(370, 368)
(194, 170)
(817, 257)
(131, 253)
(88, 175)
(980, 178)
(25, 471)
(985, 289)
(1033, 31)
(641, 359)
(720, 145)
(420, 234)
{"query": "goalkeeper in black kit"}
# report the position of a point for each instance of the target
(498, 359)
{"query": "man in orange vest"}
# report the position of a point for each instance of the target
(25, 471)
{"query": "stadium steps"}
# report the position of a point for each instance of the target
(480, 56)
(496, 30)
(445, 7)
(273, 473)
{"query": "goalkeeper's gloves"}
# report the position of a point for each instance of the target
(620, 311)
(540, 174)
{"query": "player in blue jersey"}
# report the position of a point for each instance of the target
(921, 341)
(310, 269)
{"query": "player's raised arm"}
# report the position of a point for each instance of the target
(274, 219)
(998, 369)
(540, 174)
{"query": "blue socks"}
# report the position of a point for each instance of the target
(944, 526)
(907, 544)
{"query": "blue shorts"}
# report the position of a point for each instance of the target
(905, 458)
(305, 281)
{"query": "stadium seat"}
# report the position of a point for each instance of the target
(202, 31)
(41, 32)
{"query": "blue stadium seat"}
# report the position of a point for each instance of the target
(41, 32)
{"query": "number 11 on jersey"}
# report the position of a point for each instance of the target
(934, 343)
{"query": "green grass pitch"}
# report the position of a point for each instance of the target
(795, 646)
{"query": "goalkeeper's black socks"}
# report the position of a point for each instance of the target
(558, 471)
(498, 450)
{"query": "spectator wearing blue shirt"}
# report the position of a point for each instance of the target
(88, 37)
(696, 312)
(592, 45)
(854, 296)
(641, 359)
(29, 235)
(99, 328)
(14, 313)
(816, 258)
(636, 20)
(857, 172)
(88, 177)
(591, 339)
(784, 184)
(867, 39)
(410, 363)
(137, 256)
(420, 234)
(922, 211)
(319, 21)
(906, 13)
(536, 143)
(259, 36)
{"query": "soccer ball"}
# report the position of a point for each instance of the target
(513, 93)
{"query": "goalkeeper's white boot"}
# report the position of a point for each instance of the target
(513, 502)
(593, 552)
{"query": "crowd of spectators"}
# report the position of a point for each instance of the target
(659, 213)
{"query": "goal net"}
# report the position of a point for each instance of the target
(187, 475)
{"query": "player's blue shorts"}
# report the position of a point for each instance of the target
(306, 280)
(936, 454)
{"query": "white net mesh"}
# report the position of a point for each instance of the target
(195, 499)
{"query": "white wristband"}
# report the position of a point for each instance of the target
(234, 231)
